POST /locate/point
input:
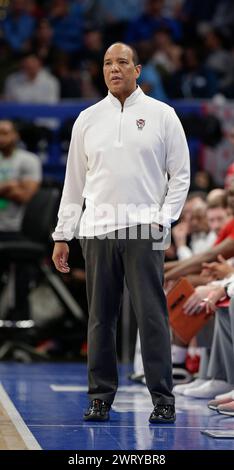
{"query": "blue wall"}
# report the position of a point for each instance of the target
(53, 154)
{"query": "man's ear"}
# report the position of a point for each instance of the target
(138, 69)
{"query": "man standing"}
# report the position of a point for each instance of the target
(129, 160)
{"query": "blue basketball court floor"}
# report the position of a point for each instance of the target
(49, 399)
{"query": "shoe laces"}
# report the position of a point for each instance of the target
(163, 409)
(98, 405)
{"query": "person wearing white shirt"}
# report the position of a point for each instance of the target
(32, 83)
(129, 161)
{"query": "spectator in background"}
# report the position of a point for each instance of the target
(149, 80)
(217, 212)
(219, 59)
(223, 17)
(117, 16)
(167, 55)
(93, 15)
(172, 8)
(205, 224)
(197, 12)
(194, 80)
(150, 21)
(115, 11)
(42, 43)
(202, 181)
(224, 245)
(192, 199)
(91, 59)
(198, 231)
(20, 176)
(32, 84)
(18, 26)
(69, 80)
(66, 20)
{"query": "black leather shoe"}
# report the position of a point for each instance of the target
(163, 414)
(98, 411)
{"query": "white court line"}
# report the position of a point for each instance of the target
(86, 426)
(17, 420)
(84, 388)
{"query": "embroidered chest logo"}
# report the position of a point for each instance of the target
(140, 124)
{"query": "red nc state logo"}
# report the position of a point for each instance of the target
(140, 124)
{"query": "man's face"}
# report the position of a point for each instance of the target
(8, 135)
(188, 208)
(31, 66)
(216, 218)
(120, 73)
(198, 222)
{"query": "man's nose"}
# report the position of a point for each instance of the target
(114, 67)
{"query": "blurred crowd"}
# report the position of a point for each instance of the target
(52, 50)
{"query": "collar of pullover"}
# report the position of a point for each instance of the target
(131, 99)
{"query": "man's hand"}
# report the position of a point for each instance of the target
(8, 186)
(218, 270)
(60, 257)
(194, 304)
(19, 191)
(213, 297)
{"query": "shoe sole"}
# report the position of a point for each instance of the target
(162, 421)
(96, 419)
(212, 407)
(226, 413)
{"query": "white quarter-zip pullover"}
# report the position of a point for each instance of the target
(130, 163)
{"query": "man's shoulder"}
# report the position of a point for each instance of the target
(15, 77)
(46, 77)
(91, 111)
(157, 105)
(23, 156)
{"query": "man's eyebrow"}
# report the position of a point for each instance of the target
(118, 58)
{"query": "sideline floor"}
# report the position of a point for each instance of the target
(51, 398)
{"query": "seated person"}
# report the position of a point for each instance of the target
(224, 245)
(219, 374)
(20, 176)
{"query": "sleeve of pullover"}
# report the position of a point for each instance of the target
(72, 200)
(178, 169)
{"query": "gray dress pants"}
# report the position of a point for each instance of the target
(108, 261)
(221, 364)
